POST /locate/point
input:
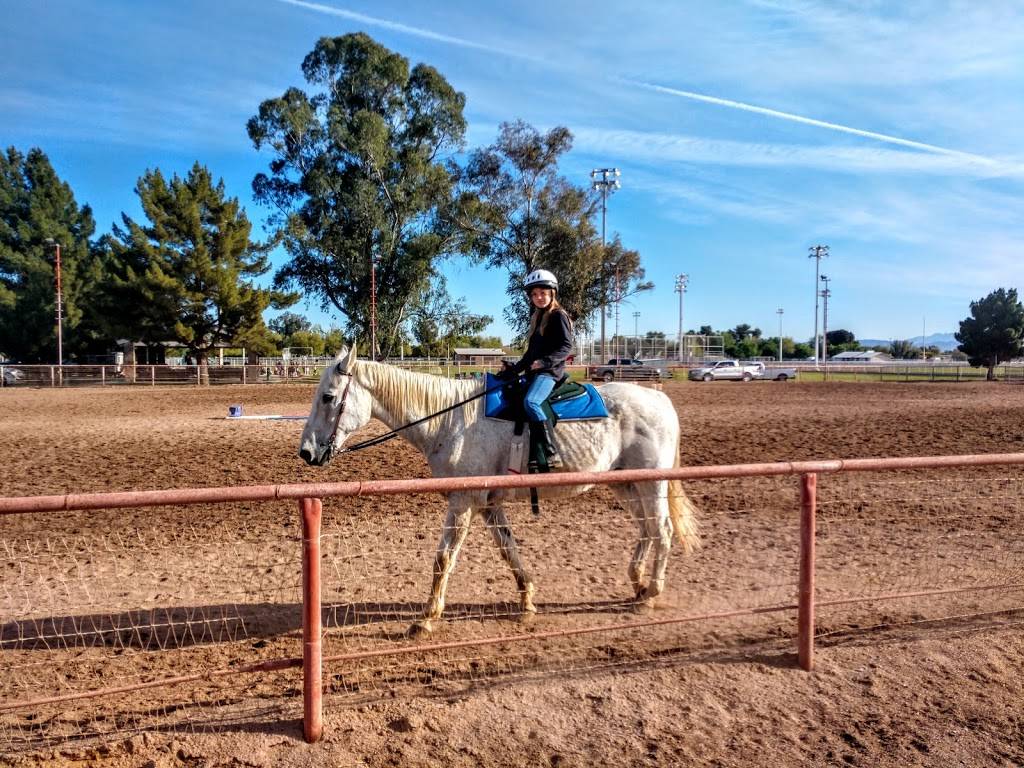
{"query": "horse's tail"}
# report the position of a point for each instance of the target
(683, 513)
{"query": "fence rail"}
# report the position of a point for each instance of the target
(822, 524)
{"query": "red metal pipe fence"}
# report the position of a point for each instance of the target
(309, 497)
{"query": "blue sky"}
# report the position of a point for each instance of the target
(746, 131)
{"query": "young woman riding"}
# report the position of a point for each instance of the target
(549, 345)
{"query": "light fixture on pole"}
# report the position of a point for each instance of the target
(780, 312)
(606, 181)
(60, 300)
(818, 252)
(682, 280)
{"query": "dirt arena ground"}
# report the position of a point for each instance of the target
(932, 681)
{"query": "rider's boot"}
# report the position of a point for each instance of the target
(545, 442)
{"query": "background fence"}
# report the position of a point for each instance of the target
(311, 368)
(190, 617)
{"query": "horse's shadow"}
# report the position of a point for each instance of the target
(200, 625)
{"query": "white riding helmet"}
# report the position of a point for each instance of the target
(540, 278)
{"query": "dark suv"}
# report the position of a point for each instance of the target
(628, 369)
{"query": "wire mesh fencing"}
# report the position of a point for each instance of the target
(89, 603)
(920, 548)
(737, 589)
(191, 618)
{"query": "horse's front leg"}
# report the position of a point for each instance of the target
(456, 527)
(501, 531)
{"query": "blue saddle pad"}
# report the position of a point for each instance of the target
(587, 405)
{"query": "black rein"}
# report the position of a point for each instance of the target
(394, 432)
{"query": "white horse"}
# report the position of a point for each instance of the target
(642, 431)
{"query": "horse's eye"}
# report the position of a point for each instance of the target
(327, 399)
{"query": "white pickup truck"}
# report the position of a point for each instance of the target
(733, 370)
(726, 370)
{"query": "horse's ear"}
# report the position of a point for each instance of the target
(351, 363)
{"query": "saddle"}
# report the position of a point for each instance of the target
(568, 401)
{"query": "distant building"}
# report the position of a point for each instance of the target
(861, 356)
(478, 356)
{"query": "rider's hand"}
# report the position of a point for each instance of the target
(536, 365)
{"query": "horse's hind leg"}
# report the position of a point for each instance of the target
(654, 502)
(629, 496)
(456, 526)
(497, 523)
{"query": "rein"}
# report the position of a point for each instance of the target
(395, 432)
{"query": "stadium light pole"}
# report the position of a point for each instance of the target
(60, 300)
(818, 252)
(780, 312)
(606, 181)
(682, 280)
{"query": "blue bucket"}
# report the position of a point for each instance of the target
(234, 411)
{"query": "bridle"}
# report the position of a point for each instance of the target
(341, 410)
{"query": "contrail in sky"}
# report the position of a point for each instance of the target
(995, 165)
(817, 123)
(397, 27)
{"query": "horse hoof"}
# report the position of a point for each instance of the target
(419, 629)
(527, 617)
(645, 607)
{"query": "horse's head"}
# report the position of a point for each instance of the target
(340, 407)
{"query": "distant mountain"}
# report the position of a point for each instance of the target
(944, 341)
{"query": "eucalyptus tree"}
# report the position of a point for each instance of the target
(356, 177)
(514, 211)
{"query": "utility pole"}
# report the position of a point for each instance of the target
(373, 307)
(606, 181)
(779, 312)
(682, 280)
(636, 332)
(818, 252)
(824, 324)
(60, 301)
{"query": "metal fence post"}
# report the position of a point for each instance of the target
(805, 621)
(312, 648)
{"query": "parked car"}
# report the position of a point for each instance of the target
(776, 372)
(628, 369)
(733, 370)
(11, 375)
(726, 370)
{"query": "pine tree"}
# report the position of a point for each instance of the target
(186, 276)
(994, 333)
(36, 205)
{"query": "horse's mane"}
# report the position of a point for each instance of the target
(402, 392)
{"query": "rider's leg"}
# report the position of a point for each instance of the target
(540, 427)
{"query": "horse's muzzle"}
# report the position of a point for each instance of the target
(316, 460)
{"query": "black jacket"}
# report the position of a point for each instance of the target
(552, 348)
